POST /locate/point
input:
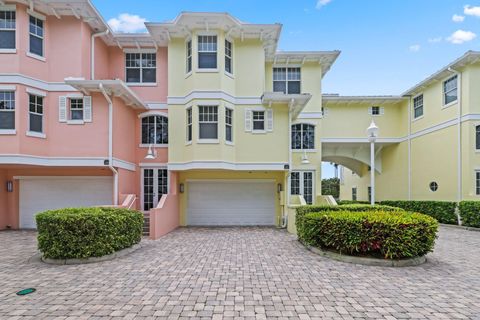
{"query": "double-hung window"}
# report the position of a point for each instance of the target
(208, 122)
(354, 194)
(450, 91)
(418, 106)
(286, 80)
(7, 29)
(189, 56)
(228, 57)
(35, 110)
(36, 36)
(189, 124)
(155, 130)
(7, 110)
(207, 52)
(477, 137)
(258, 120)
(228, 124)
(76, 109)
(141, 67)
(303, 136)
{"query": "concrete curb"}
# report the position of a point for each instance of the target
(454, 226)
(368, 261)
(109, 257)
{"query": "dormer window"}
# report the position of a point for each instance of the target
(286, 80)
(207, 52)
(7, 30)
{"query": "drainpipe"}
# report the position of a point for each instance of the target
(409, 147)
(110, 144)
(92, 51)
(459, 130)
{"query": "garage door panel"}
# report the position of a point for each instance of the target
(38, 195)
(231, 203)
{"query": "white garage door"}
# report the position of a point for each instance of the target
(231, 203)
(40, 194)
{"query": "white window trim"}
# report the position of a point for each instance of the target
(444, 92)
(11, 7)
(231, 143)
(207, 141)
(75, 122)
(413, 107)
(146, 115)
(29, 53)
(188, 108)
(188, 73)
(8, 132)
(302, 183)
(36, 134)
(286, 80)
(36, 92)
(475, 125)
(264, 131)
(140, 51)
(475, 182)
(8, 88)
(311, 123)
(197, 68)
(229, 74)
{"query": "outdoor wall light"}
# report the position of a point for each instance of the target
(182, 188)
(9, 186)
(279, 188)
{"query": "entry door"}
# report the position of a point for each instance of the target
(301, 183)
(155, 184)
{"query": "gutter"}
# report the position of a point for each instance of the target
(92, 51)
(110, 144)
(459, 130)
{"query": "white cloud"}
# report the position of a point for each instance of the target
(321, 3)
(458, 18)
(128, 23)
(471, 11)
(414, 48)
(435, 40)
(461, 36)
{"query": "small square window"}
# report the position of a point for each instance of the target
(375, 111)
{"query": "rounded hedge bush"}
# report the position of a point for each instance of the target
(386, 234)
(78, 233)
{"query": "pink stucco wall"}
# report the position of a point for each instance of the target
(165, 218)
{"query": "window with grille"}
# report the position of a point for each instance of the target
(303, 136)
(141, 67)
(35, 113)
(450, 92)
(418, 106)
(207, 52)
(229, 125)
(155, 130)
(228, 57)
(7, 110)
(208, 122)
(286, 80)
(36, 36)
(7, 29)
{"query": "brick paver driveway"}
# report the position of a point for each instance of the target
(243, 273)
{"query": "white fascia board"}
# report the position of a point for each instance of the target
(222, 165)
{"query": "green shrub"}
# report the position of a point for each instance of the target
(443, 211)
(344, 202)
(87, 232)
(392, 235)
(470, 213)
(303, 210)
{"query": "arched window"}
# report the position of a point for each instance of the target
(155, 130)
(303, 136)
(477, 137)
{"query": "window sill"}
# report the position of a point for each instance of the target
(35, 56)
(36, 134)
(146, 84)
(416, 119)
(188, 74)
(229, 143)
(230, 75)
(8, 132)
(76, 122)
(144, 145)
(450, 104)
(8, 50)
(208, 141)
(199, 70)
(303, 150)
(188, 143)
(259, 131)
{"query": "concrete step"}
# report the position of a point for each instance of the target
(146, 223)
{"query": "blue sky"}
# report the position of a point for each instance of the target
(387, 46)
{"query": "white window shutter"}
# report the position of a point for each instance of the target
(62, 109)
(248, 120)
(87, 109)
(370, 110)
(382, 110)
(269, 119)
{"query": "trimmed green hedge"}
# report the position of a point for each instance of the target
(87, 232)
(303, 210)
(346, 202)
(443, 211)
(470, 213)
(392, 235)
